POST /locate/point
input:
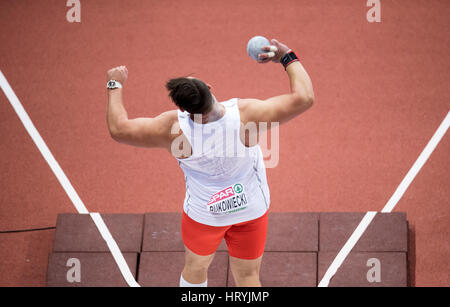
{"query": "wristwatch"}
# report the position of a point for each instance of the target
(112, 84)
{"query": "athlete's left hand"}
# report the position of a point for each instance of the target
(281, 50)
(119, 73)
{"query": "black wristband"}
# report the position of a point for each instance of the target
(288, 58)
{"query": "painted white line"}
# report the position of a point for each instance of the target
(37, 139)
(348, 246)
(114, 248)
(64, 181)
(440, 132)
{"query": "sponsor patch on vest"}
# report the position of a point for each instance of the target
(229, 200)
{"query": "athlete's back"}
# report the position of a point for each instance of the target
(225, 180)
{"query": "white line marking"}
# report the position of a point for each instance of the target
(348, 246)
(114, 248)
(440, 132)
(64, 181)
(37, 139)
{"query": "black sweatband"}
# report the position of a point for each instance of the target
(288, 58)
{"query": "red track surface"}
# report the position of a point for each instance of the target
(381, 92)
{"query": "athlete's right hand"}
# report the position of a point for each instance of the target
(119, 74)
(282, 49)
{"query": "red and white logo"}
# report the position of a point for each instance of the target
(225, 193)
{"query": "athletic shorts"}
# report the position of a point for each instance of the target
(245, 240)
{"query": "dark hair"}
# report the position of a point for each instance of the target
(192, 95)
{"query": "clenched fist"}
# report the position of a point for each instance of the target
(119, 74)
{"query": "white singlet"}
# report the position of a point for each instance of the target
(226, 182)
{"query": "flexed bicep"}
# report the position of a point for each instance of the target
(148, 132)
(278, 109)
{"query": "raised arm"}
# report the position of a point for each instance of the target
(284, 107)
(142, 132)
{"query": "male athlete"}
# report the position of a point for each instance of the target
(227, 196)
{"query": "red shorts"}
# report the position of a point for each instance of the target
(245, 240)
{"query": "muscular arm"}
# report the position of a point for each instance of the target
(284, 107)
(142, 132)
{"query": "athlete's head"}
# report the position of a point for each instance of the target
(190, 94)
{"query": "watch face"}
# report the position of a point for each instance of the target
(111, 84)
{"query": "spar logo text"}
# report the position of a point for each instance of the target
(229, 200)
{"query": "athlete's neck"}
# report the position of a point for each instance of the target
(216, 113)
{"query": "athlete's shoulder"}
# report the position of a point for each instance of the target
(246, 102)
(230, 102)
(172, 114)
(169, 119)
(245, 107)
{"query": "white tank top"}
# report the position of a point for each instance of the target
(226, 182)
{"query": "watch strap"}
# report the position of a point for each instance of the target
(288, 58)
(112, 84)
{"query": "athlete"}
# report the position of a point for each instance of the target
(227, 196)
